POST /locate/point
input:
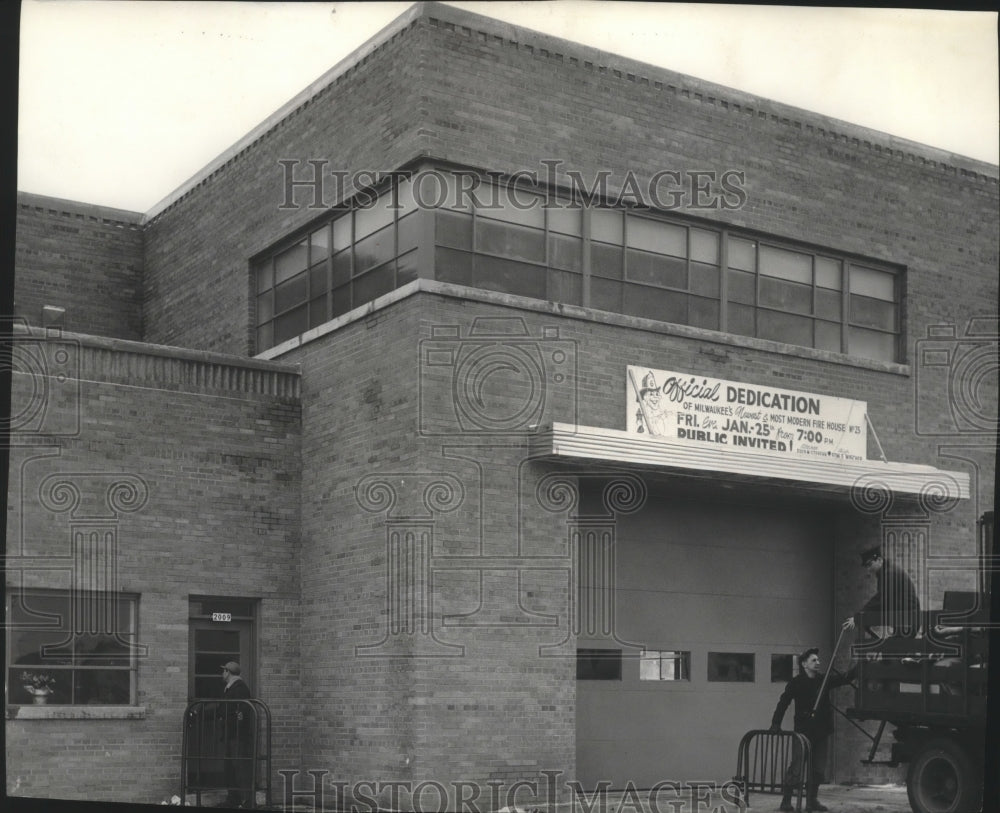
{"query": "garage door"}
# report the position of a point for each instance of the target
(718, 594)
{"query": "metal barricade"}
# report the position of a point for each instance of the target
(227, 747)
(769, 760)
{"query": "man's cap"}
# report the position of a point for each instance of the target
(232, 667)
(870, 554)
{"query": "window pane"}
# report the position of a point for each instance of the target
(704, 279)
(784, 264)
(511, 206)
(669, 665)
(317, 311)
(828, 273)
(101, 686)
(219, 640)
(510, 277)
(654, 235)
(565, 252)
(605, 260)
(374, 250)
(506, 240)
(741, 287)
(703, 312)
(781, 668)
(342, 232)
(290, 293)
(705, 246)
(790, 296)
(741, 320)
(265, 275)
(649, 666)
(828, 336)
(367, 221)
(341, 268)
(340, 301)
(783, 327)
(406, 269)
(409, 232)
(319, 242)
(566, 287)
(290, 262)
(741, 254)
(373, 284)
(873, 312)
(442, 190)
(317, 280)
(265, 337)
(265, 307)
(606, 226)
(453, 266)
(405, 200)
(828, 303)
(654, 303)
(291, 324)
(453, 229)
(871, 345)
(656, 269)
(606, 295)
(102, 649)
(598, 664)
(731, 667)
(516, 206)
(565, 219)
(869, 282)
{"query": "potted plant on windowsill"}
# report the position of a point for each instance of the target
(38, 685)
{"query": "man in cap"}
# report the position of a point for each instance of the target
(239, 735)
(814, 720)
(895, 596)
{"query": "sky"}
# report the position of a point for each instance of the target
(121, 102)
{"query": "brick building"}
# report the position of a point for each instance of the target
(522, 409)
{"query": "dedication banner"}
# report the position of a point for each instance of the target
(737, 415)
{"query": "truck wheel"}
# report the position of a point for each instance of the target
(941, 779)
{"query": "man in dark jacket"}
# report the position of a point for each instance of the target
(895, 602)
(813, 720)
(239, 731)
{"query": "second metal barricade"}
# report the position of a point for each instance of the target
(773, 762)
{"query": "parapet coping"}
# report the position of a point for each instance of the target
(716, 341)
(163, 365)
(491, 31)
(79, 209)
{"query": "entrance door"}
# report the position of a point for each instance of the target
(220, 630)
(719, 594)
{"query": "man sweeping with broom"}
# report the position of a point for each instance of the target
(810, 690)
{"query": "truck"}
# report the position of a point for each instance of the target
(931, 687)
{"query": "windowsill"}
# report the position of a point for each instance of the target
(39, 712)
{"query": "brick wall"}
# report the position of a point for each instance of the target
(84, 258)
(211, 447)
(372, 407)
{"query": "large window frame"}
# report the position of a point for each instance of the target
(85, 642)
(529, 240)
